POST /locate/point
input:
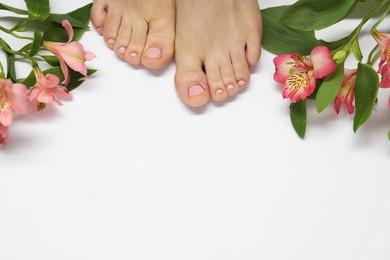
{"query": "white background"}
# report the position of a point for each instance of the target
(126, 171)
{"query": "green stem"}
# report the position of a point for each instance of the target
(370, 60)
(380, 19)
(15, 35)
(8, 50)
(355, 34)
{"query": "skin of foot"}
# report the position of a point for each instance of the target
(138, 31)
(218, 43)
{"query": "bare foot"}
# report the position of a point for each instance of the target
(139, 31)
(217, 44)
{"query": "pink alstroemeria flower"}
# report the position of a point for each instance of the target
(3, 134)
(46, 90)
(346, 94)
(383, 39)
(299, 73)
(13, 97)
(70, 53)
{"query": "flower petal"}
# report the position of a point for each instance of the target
(299, 86)
(68, 28)
(323, 64)
(18, 96)
(283, 66)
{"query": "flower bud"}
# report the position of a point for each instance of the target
(340, 56)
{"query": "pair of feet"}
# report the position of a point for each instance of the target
(215, 43)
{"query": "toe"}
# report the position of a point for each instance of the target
(159, 48)
(111, 27)
(190, 81)
(241, 68)
(253, 50)
(98, 15)
(137, 43)
(214, 79)
(123, 38)
(228, 76)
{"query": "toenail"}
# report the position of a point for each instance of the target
(241, 82)
(153, 52)
(133, 54)
(111, 41)
(122, 50)
(230, 86)
(219, 91)
(195, 90)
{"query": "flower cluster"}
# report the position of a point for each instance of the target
(315, 69)
(56, 46)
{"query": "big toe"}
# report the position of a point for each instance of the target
(191, 82)
(159, 48)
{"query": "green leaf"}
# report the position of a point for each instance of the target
(357, 52)
(58, 18)
(9, 53)
(279, 38)
(55, 32)
(13, 9)
(51, 60)
(388, 134)
(38, 10)
(298, 115)
(36, 45)
(11, 67)
(366, 91)
(329, 88)
(308, 15)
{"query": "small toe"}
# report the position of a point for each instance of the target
(137, 43)
(241, 68)
(214, 79)
(123, 39)
(111, 28)
(228, 76)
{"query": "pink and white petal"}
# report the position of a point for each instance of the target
(65, 71)
(68, 28)
(323, 63)
(6, 116)
(299, 86)
(62, 94)
(34, 94)
(385, 81)
(54, 81)
(4, 130)
(74, 58)
(349, 102)
(18, 95)
(283, 66)
(45, 97)
(89, 55)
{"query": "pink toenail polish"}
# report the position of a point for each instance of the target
(122, 50)
(230, 86)
(133, 55)
(111, 41)
(153, 52)
(219, 91)
(241, 82)
(195, 90)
